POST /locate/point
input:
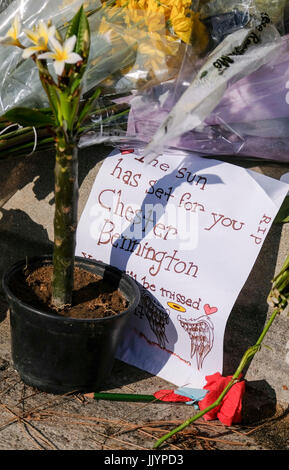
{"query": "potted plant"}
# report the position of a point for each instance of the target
(56, 345)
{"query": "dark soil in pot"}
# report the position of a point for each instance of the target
(55, 351)
(92, 296)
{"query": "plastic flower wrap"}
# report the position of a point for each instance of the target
(173, 63)
(251, 119)
(195, 112)
(135, 44)
(4, 4)
(275, 9)
(154, 35)
(238, 55)
(221, 15)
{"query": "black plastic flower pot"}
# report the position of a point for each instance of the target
(57, 354)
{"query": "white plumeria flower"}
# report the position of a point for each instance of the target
(40, 37)
(12, 35)
(62, 54)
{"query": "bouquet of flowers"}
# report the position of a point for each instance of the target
(250, 120)
(163, 71)
(135, 45)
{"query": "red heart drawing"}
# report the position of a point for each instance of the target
(210, 310)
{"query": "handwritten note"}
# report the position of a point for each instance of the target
(188, 230)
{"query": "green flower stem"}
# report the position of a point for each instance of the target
(12, 134)
(125, 397)
(27, 148)
(18, 139)
(23, 136)
(21, 141)
(247, 357)
(65, 221)
(279, 295)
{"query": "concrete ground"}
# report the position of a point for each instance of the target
(31, 420)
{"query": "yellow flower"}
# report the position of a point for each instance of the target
(62, 54)
(157, 28)
(156, 6)
(187, 26)
(12, 35)
(40, 36)
(142, 4)
(155, 22)
(181, 22)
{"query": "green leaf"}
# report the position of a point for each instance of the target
(53, 96)
(29, 117)
(49, 86)
(88, 106)
(267, 347)
(283, 214)
(75, 83)
(79, 27)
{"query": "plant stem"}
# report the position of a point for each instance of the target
(247, 357)
(65, 221)
(20, 141)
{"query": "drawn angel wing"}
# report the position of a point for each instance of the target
(201, 333)
(157, 317)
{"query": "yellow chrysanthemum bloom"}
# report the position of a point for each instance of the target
(172, 17)
(182, 24)
(157, 27)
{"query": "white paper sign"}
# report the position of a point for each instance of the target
(188, 230)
